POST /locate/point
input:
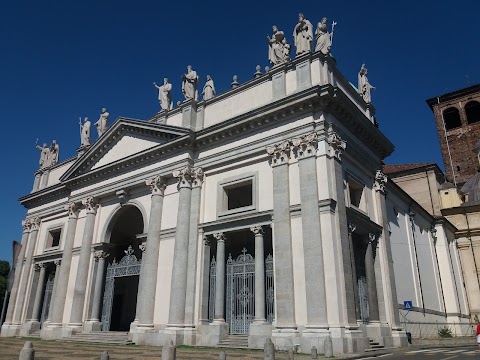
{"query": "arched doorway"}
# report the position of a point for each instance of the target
(123, 270)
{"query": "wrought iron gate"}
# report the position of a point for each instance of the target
(363, 299)
(46, 300)
(129, 265)
(240, 291)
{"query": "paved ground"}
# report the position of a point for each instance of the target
(61, 350)
(445, 353)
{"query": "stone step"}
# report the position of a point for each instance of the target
(102, 337)
(234, 341)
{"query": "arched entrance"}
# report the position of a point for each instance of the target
(123, 270)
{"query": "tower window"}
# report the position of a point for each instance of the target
(451, 116)
(472, 110)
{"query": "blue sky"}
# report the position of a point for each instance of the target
(63, 59)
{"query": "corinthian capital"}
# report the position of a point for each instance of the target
(257, 230)
(280, 153)
(90, 204)
(73, 209)
(380, 181)
(305, 146)
(35, 223)
(197, 177)
(101, 254)
(157, 185)
(337, 145)
(40, 266)
(184, 176)
(26, 225)
(220, 236)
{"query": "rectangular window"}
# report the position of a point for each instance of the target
(357, 194)
(53, 238)
(237, 194)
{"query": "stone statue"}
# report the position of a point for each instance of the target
(278, 49)
(53, 154)
(190, 84)
(85, 132)
(45, 152)
(208, 89)
(364, 86)
(102, 122)
(303, 35)
(324, 38)
(164, 95)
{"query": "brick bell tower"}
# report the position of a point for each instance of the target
(457, 116)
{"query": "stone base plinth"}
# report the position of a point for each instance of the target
(29, 328)
(352, 341)
(92, 325)
(57, 332)
(399, 338)
(286, 338)
(211, 334)
(140, 334)
(313, 337)
(10, 330)
(258, 334)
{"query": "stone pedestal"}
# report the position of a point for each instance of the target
(399, 338)
(211, 334)
(284, 339)
(258, 334)
(92, 325)
(313, 337)
(9, 330)
(29, 328)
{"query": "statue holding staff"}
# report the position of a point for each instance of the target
(324, 38)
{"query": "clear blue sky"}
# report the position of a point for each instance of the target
(63, 59)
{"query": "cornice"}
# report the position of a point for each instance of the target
(51, 193)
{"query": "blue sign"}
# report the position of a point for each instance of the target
(407, 305)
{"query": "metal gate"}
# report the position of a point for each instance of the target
(46, 299)
(240, 289)
(363, 299)
(129, 265)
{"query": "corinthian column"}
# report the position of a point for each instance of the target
(193, 240)
(22, 289)
(40, 291)
(78, 304)
(305, 149)
(99, 257)
(259, 275)
(63, 271)
(282, 237)
(149, 269)
(176, 316)
(18, 272)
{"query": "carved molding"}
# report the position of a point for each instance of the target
(197, 177)
(219, 236)
(257, 230)
(305, 146)
(73, 209)
(337, 145)
(157, 185)
(184, 176)
(380, 181)
(280, 154)
(40, 266)
(90, 204)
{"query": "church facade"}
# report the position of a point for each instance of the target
(258, 212)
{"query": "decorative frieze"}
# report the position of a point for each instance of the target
(73, 209)
(337, 145)
(280, 154)
(90, 204)
(305, 146)
(157, 185)
(380, 181)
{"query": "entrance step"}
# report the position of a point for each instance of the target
(234, 342)
(374, 345)
(102, 337)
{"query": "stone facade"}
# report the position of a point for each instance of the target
(261, 211)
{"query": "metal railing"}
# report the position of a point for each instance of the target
(432, 329)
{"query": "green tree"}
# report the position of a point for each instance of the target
(4, 270)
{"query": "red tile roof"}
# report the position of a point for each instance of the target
(392, 169)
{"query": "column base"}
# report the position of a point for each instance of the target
(285, 338)
(56, 332)
(379, 332)
(139, 334)
(212, 334)
(311, 336)
(399, 338)
(258, 334)
(29, 328)
(92, 325)
(9, 330)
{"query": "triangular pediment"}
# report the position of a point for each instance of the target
(124, 139)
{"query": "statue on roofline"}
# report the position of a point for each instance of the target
(364, 87)
(278, 49)
(164, 95)
(303, 35)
